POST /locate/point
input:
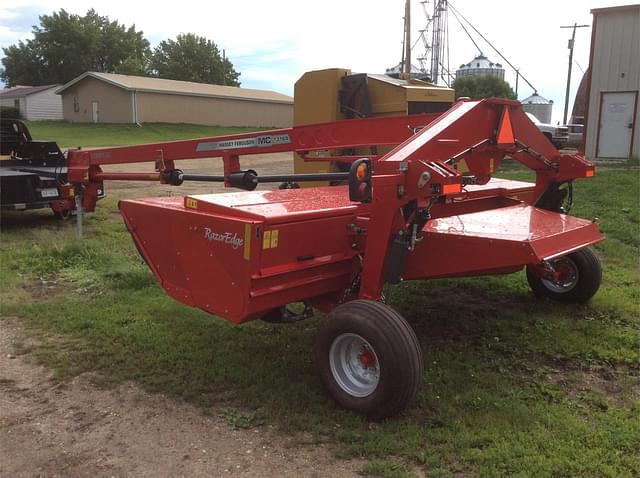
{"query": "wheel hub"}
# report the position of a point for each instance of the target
(564, 276)
(354, 365)
(367, 359)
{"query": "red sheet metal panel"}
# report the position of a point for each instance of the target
(503, 239)
(280, 205)
(239, 255)
(235, 256)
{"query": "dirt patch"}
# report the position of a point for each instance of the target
(44, 289)
(72, 428)
(615, 384)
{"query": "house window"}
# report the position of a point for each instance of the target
(76, 104)
(16, 104)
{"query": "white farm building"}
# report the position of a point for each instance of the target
(613, 115)
(34, 102)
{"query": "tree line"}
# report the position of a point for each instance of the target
(65, 45)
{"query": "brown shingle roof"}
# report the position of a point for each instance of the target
(21, 91)
(160, 85)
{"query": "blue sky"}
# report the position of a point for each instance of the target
(274, 43)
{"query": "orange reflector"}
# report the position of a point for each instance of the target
(451, 188)
(590, 173)
(505, 130)
(361, 172)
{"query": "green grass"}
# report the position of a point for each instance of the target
(69, 135)
(514, 385)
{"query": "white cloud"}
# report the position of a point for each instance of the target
(273, 43)
(7, 14)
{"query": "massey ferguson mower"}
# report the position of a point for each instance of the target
(429, 208)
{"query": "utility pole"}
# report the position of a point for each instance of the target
(224, 67)
(406, 67)
(571, 42)
(439, 7)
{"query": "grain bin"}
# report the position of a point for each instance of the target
(539, 107)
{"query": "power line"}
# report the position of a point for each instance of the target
(453, 9)
(467, 32)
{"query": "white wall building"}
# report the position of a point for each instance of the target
(612, 114)
(34, 102)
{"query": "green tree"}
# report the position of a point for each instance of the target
(65, 46)
(193, 58)
(483, 86)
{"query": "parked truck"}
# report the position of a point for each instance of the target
(33, 174)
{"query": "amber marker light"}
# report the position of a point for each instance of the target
(361, 172)
(451, 188)
(360, 186)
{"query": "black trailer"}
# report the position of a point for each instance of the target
(33, 174)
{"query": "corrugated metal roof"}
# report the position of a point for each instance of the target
(399, 67)
(21, 91)
(481, 61)
(596, 11)
(160, 85)
(405, 83)
(388, 79)
(535, 99)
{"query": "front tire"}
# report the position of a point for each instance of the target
(63, 215)
(369, 359)
(576, 279)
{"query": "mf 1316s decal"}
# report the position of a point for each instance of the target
(240, 143)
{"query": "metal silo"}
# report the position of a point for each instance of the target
(480, 65)
(539, 107)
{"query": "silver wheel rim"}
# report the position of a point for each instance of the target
(568, 279)
(354, 365)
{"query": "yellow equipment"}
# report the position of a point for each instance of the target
(336, 93)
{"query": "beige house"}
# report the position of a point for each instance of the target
(111, 98)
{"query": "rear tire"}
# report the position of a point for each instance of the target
(63, 215)
(579, 279)
(369, 359)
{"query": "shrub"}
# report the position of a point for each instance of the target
(9, 112)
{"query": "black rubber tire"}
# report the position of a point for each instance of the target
(274, 316)
(63, 215)
(589, 278)
(401, 367)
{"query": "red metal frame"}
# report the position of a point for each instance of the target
(84, 166)
(239, 255)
